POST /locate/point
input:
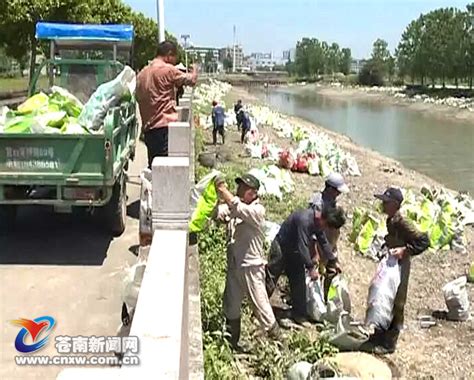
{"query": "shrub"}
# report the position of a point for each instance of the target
(371, 75)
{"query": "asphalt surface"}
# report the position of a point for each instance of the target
(66, 267)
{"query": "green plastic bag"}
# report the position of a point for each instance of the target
(20, 124)
(65, 101)
(52, 119)
(367, 235)
(359, 218)
(203, 201)
(470, 275)
(35, 103)
(324, 168)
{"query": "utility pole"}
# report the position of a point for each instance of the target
(160, 8)
(233, 62)
(185, 37)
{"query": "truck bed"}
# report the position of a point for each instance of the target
(57, 160)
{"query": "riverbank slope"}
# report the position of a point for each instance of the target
(440, 111)
(443, 351)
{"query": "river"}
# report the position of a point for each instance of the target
(437, 147)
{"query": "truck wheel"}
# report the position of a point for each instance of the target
(7, 219)
(115, 212)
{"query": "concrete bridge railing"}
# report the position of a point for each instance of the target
(167, 319)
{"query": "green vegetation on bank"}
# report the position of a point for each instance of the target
(20, 84)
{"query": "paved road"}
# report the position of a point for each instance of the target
(67, 268)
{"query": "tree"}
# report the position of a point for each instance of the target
(381, 57)
(346, 60)
(18, 20)
(314, 57)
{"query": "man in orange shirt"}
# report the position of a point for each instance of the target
(156, 96)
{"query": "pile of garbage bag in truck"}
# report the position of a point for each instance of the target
(61, 112)
(440, 213)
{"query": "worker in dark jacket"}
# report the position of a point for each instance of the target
(403, 241)
(334, 186)
(238, 106)
(293, 251)
(218, 121)
(245, 123)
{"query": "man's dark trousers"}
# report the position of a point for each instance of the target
(281, 261)
(156, 141)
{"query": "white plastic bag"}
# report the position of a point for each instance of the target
(105, 97)
(346, 337)
(315, 305)
(145, 218)
(457, 301)
(271, 230)
(132, 283)
(299, 371)
(382, 292)
(339, 300)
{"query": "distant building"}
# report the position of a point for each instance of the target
(228, 52)
(200, 53)
(262, 61)
(357, 65)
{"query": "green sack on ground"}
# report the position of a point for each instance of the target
(470, 275)
(367, 235)
(35, 103)
(359, 218)
(203, 200)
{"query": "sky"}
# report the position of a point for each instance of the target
(276, 25)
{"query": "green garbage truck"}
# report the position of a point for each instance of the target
(69, 172)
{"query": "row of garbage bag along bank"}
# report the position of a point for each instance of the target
(317, 153)
(442, 214)
(62, 112)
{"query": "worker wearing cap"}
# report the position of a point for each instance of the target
(334, 186)
(403, 242)
(245, 256)
(292, 252)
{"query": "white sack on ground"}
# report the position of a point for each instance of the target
(457, 301)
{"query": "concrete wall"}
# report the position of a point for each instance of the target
(167, 317)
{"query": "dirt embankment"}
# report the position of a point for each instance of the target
(445, 351)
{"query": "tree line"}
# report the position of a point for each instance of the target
(439, 46)
(18, 19)
(314, 57)
(435, 48)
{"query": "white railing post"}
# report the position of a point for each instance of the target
(179, 139)
(171, 191)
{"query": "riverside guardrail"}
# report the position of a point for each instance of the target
(167, 317)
